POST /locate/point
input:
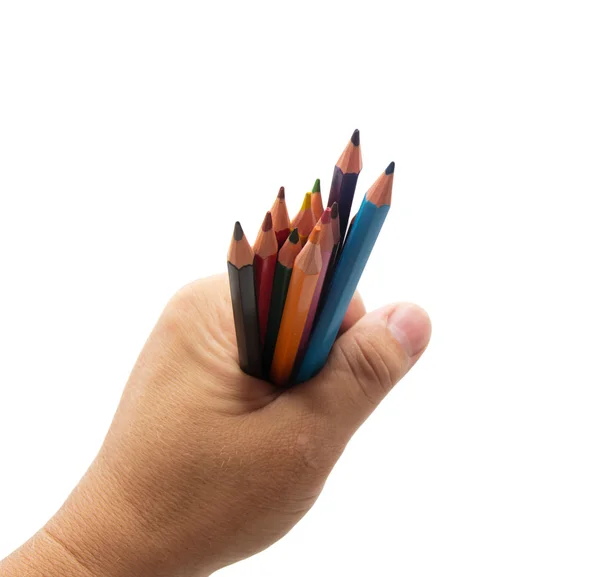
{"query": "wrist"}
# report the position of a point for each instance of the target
(42, 556)
(100, 527)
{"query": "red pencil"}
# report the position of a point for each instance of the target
(265, 260)
(281, 218)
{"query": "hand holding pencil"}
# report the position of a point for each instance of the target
(205, 465)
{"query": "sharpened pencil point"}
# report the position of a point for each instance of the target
(267, 222)
(281, 193)
(390, 168)
(238, 233)
(294, 237)
(326, 216)
(306, 202)
(315, 234)
(317, 185)
(334, 210)
(356, 138)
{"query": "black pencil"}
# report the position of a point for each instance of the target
(243, 299)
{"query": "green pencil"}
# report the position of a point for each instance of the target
(281, 281)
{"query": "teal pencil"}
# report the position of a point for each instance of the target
(357, 249)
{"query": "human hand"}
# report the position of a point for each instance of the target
(204, 465)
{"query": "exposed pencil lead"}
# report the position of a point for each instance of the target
(390, 168)
(326, 216)
(294, 236)
(315, 235)
(356, 138)
(238, 233)
(281, 193)
(334, 210)
(267, 222)
(306, 202)
(317, 185)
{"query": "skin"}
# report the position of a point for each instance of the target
(203, 465)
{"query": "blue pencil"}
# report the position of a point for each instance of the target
(358, 247)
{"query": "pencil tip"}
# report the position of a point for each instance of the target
(294, 236)
(390, 168)
(306, 202)
(238, 233)
(317, 185)
(326, 216)
(315, 234)
(281, 193)
(334, 210)
(267, 222)
(356, 138)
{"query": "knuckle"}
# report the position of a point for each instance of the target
(371, 369)
(183, 301)
(178, 308)
(312, 449)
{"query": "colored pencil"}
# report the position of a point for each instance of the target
(316, 202)
(265, 259)
(326, 244)
(335, 231)
(240, 266)
(281, 219)
(343, 183)
(281, 282)
(368, 223)
(304, 220)
(303, 283)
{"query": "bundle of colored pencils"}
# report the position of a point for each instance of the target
(290, 291)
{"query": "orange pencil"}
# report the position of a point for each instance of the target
(281, 219)
(304, 220)
(265, 259)
(305, 276)
(316, 202)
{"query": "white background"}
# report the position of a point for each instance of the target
(133, 134)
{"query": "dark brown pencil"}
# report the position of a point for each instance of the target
(240, 260)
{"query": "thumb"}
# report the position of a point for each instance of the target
(367, 361)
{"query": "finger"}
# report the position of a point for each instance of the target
(365, 363)
(355, 312)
